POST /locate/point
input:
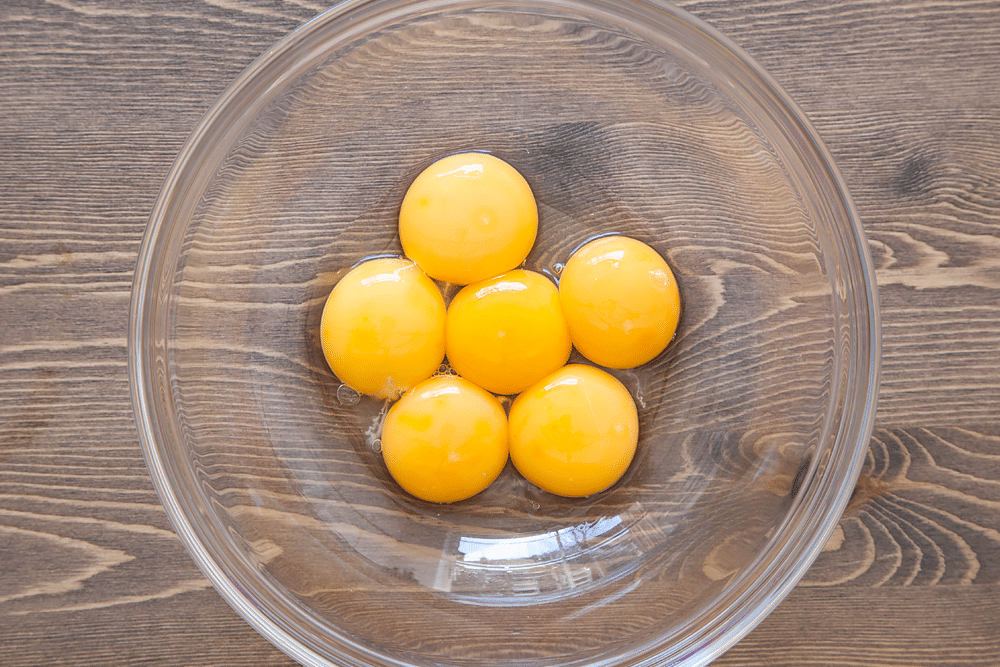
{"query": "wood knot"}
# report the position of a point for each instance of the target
(866, 490)
(916, 177)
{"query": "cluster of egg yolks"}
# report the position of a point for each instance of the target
(507, 333)
(620, 300)
(382, 329)
(471, 219)
(446, 440)
(468, 217)
(575, 432)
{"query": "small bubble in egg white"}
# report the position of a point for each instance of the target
(347, 396)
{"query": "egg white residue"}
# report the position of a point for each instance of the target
(373, 434)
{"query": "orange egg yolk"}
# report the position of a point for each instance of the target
(445, 440)
(382, 328)
(575, 432)
(468, 217)
(621, 301)
(507, 333)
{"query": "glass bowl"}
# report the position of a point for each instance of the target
(624, 117)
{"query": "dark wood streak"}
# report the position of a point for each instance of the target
(99, 97)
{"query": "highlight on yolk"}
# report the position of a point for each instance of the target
(620, 300)
(382, 329)
(575, 432)
(507, 333)
(468, 217)
(445, 440)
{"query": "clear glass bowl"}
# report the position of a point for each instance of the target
(624, 117)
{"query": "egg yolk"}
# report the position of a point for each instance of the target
(382, 329)
(468, 217)
(620, 300)
(445, 440)
(575, 432)
(506, 333)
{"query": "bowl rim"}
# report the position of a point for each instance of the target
(770, 582)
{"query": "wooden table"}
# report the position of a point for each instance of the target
(98, 96)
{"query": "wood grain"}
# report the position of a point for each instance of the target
(99, 97)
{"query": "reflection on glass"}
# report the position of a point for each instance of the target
(528, 569)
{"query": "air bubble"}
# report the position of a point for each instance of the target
(640, 399)
(377, 446)
(557, 268)
(445, 369)
(347, 396)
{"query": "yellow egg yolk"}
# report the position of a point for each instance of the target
(382, 329)
(621, 301)
(468, 217)
(507, 333)
(575, 432)
(445, 440)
